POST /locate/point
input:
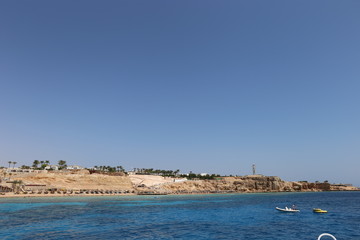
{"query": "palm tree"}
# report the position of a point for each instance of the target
(35, 163)
(16, 185)
(14, 163)
(42, 165)
(62, 163)
(9, 162)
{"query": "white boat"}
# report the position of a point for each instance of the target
(286, 209)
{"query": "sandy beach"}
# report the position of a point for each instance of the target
(42, 195)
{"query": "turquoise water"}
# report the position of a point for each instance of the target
(235, 216)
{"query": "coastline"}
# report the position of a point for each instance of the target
(43, 195)
(85, 184)
(31, 196)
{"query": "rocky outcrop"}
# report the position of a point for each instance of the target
(251, 183)
(306, 186)
(343, 187)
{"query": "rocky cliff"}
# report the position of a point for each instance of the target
(255, 183)
(251, 183)
(149, 184)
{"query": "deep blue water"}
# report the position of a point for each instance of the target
(235, 216)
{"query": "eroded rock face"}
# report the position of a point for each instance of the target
(252, 183)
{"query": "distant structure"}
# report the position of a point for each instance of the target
(74, 167)
(254, 169)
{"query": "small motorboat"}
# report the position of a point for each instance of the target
(319, 210)
(286, 209)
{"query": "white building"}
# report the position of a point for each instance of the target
(74, 167)
(53, 167)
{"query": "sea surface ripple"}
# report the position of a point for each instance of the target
(229, 216)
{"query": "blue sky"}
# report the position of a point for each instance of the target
(202, 86)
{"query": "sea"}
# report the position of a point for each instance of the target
(216, 216)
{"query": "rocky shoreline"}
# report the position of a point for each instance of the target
(83, 183)
(249, 184)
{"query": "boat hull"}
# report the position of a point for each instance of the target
(287, 210)
(318, 210)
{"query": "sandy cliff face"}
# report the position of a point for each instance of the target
(343, 188)
(254, 183)
(76, 180)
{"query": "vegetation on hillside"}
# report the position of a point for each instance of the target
(109, 169)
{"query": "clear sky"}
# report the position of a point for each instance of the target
(203, 86)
